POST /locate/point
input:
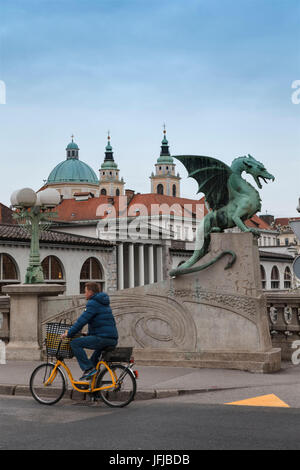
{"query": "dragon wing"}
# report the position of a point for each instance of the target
(212, 176)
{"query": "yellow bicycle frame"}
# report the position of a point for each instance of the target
(74, 383)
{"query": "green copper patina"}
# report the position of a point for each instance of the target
(231, 200)
(34, 220)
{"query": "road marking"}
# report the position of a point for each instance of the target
(263, 400)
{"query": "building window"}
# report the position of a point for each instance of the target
(103, 192)
(117, 192)
(287, 278)
(286, 241)
(53, 270)
(263, 276)
(174, 190)
(160, 189)
(8, 270)
(275, 280)
(91, 271)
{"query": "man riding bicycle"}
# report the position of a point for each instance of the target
(102, 330)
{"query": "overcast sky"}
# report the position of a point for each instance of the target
(219, 73)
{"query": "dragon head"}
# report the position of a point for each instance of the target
(257, 170)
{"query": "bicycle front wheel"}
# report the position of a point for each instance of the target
(43, 390)
(124, 391)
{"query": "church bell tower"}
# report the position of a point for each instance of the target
(110, 182)
(165, 181)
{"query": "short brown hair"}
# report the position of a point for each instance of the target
(93, 286)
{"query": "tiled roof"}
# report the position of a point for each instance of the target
(95, 208)
(107, 206)
(284, 221)
(274, 254)
(17, 233)
(257, 222)
(6, 214)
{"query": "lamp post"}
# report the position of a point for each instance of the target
(34, 213)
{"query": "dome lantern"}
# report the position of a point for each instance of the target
(72, 149)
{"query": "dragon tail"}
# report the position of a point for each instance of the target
(201, 249)
(195, 269)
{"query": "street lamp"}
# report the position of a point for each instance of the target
(34, 213)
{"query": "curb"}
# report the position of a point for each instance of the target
(24, 390)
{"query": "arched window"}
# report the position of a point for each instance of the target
(103, 192)
(117, 192)
(263, 276)
(91, 271)
(174, 190)
(275, 280)
(287, 278)
(53, 270)
(160, 189)
(9, 273)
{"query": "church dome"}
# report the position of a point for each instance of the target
(72, 145)
(72, 170)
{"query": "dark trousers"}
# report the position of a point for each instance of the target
(90, 342)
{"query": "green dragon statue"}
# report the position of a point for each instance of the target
(231, 200)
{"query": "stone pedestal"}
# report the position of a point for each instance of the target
(213, 318)
(24, 318)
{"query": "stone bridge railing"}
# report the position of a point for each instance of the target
(283, 310)
(284, 320)
(4, 318)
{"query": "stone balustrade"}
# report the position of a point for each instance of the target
(284, 320)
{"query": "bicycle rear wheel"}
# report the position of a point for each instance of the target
(47, 394)
(125, 388)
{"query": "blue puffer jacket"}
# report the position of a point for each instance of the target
(98, 316)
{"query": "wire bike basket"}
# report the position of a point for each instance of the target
(55, 345)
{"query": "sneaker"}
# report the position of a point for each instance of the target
(88, 374)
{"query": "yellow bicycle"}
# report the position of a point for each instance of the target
(114, 383)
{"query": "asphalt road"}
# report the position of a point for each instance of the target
(155, 424)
